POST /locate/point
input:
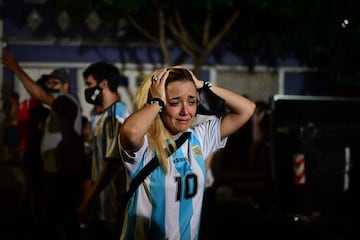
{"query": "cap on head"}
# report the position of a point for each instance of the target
(42, 80)
(61, 74)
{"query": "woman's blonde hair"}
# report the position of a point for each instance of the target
(159, 137)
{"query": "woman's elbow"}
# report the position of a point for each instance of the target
(251, 109)
(128, 136)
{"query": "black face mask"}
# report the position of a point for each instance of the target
(92, 95)
(50, 90)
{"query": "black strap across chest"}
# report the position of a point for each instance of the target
(154, 163)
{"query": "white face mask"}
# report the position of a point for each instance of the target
(55, 94)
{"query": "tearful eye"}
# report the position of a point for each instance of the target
(174, 103)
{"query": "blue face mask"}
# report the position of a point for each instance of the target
(92, 95)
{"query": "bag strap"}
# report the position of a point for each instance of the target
(154, 163)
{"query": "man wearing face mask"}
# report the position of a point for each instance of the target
(61, 151)
(102, 206)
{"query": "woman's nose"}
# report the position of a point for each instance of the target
(184, 109)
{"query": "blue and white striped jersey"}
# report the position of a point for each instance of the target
(169, 206)
(106, 137)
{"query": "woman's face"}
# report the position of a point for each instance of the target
(181, 106)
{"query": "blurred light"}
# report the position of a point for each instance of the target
(344, 23)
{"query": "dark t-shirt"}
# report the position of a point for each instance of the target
(69, 153)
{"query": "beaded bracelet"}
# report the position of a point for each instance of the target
(208, 84)
(158, 101)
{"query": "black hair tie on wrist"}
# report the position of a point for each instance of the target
(158, 101)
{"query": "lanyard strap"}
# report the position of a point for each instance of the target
(154, 163)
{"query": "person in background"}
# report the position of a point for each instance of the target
(256, 151)
(10, 149)
(87, 183)
(62, 151)
(102, 206)
(31, 117)
(87, 138)
(168, 204)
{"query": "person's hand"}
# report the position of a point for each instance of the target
(199, 83)
(158, 80)
(9, 60)
(83, 210)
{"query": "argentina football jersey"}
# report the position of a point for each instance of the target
(171, 203)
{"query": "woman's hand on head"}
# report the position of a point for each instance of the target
(157, 89)
(199, 83)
